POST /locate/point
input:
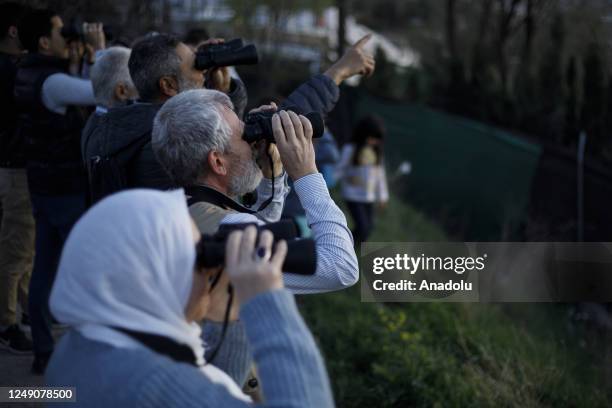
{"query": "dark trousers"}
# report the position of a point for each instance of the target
(54, 217)
(363, 215)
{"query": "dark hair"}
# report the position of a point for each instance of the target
(33, 25)
(152, 58)
(371, 126)
(195, 36)
(10, 15)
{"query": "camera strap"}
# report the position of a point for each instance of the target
(201, 193)
(228, 309)
(162, 345)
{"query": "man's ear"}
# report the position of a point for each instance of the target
(217, 163)
(122, 93)
(168, 86)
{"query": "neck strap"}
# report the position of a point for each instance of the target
(200, 193)
(163, 345)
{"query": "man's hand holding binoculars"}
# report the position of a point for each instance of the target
(94, 37)
(265, 150)
(217, 78)
(293, 135)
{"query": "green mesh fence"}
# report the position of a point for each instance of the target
(474, 178)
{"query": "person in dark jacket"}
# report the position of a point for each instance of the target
(160, 66)
(50, 122)
(17, 231)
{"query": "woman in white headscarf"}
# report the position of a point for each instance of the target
(129, 289)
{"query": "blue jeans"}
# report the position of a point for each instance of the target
(54, 217)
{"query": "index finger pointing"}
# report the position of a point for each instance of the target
(363, 41)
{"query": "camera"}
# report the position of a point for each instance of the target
(233, 52)
(301, 253)
(74, 32)
(258, 126)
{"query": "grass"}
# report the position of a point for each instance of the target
(435, 354)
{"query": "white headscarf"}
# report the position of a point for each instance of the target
(128, 263)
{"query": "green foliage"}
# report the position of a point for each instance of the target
(435, 354)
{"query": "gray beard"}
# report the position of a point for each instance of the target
(247, 177)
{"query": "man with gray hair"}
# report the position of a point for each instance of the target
(110, 77)
(198, 140)
(116, 147)
(112, 87)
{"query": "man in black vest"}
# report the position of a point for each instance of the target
(50, 123)
(17, 232)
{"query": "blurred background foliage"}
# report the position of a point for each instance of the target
(540, 67)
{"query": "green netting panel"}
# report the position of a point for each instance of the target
(474, 178)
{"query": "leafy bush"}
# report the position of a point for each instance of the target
(440, 354)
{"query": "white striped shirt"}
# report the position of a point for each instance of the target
(337, 266)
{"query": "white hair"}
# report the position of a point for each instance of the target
(186, 129)
(110, 70)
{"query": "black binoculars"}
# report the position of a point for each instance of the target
(74, 32)
(301, 252)
(226, 54)
(258, 126)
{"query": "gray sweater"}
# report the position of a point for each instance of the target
(291, 370)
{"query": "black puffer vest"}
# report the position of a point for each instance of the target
(52, 140)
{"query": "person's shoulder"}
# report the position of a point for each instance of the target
(207, 216)
(105, 375)
(76, 350)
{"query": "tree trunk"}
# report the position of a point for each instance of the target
(479, 59)
(450, 28)
(529, 35)
(342, 13)
(506, 16)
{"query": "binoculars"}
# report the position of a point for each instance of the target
(74, 32)
(258, 126)
(301, 252)
(226, 54)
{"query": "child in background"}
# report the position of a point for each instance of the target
(362, 174)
